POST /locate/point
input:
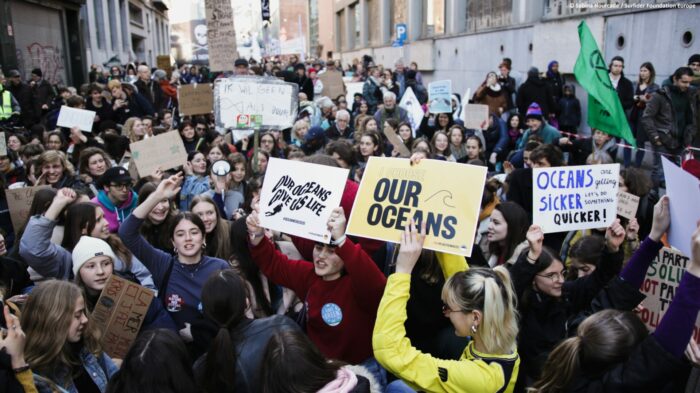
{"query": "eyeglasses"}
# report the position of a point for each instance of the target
(554, 276)
(446, 310)
(123, 186)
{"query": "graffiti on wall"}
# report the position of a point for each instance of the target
(46, 57)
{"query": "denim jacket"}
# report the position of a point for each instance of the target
(101, 368)
(193, 186)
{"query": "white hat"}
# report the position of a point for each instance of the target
(90, 247)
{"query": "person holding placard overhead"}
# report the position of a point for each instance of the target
(479, 302)
(341, 290)
(612, 350)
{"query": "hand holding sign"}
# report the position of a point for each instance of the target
(255, 231)
(662, 219)
(614, 236)
(411, 247)
(694, 267)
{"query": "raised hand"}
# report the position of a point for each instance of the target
(65, 196)
(535, 238)
(632, 229)
(614, 236)
(255, 231)
(694, 267)
(336, 223)
(13, 343)
(662, 219)
(169, 187)
(411, 247)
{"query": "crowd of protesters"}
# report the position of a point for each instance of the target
(239, 308)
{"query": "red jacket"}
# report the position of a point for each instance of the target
(340, 313)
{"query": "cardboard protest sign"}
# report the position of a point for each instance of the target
(575, 197)
(237, 135)
(440, 97)
(119, 314)
(661, 284)
(164, 151)
(195, 99)
(396, 141)
(410, 103)
(333, 85)
(19, 201)
(444, 195)
(297, 197)
(476, 116)
(73, 117)
(627, 205)
(163, 63)
(352, 88)
(684, 191)
(221, 35)
(3, 144)
(250, 102)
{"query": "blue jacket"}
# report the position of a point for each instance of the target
(100, 368)
(181, 294)
(496, 137)
(193, 186)
(51, 260)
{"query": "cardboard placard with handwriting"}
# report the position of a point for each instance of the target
(396, 141)
(19, 200)
(627, 205)
(221, 35)
(3, 144)
(164, 151)
(119, 313)
(476, 116)
(195, 99)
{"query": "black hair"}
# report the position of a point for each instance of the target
(247, 268)
(157, 362)
(681, 71)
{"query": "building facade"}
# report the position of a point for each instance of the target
(463, 40)
(42, 34)
(128, 30)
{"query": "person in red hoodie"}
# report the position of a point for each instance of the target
(341, 290)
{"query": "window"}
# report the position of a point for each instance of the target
(399, 14)
(99, 23)
(484, 14)
(434, 17)
(342, 36)
(135, 15)
(112, 25)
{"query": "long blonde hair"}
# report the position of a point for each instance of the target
(46, 319)
(491, 292)
(128, 129)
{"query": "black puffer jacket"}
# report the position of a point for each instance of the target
(659, 120)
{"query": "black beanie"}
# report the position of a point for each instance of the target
(37, 72)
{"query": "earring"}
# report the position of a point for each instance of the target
(204, 245)
(474, 329)
(175, 250)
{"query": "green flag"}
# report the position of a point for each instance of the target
(604, 108)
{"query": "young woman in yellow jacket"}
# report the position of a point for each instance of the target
(479, 302)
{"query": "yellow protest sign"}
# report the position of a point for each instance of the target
(444, 195)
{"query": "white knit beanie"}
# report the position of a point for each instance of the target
(90, 247)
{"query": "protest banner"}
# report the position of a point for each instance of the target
(660, 286)
(627, 205)
(297, 198)
(19, 201)
(221, 35)
(119, 314)
(575, 197)
(164, 151)
(333, 85)
(3, 144)
(261, 102)
(410, 103)
(396, 141)
(446, 196)
(683, 189)
(163, 63)
(195, 99)
(73, 117)
(440, 97)
(238, 135)
(476, 116)
(352, 89)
